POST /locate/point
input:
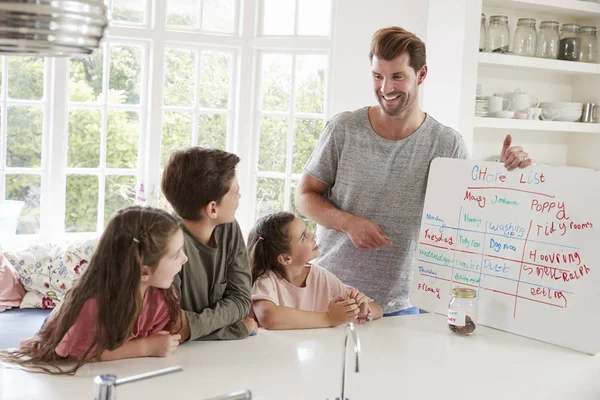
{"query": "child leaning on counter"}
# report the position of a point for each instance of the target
(290, 293)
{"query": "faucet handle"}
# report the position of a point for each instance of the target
(105, 385)
(243, 395)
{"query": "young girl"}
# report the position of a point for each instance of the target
(290, 293)
(123, 306)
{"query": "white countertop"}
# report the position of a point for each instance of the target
(402, 357)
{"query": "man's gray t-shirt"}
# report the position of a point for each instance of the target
(383, 181)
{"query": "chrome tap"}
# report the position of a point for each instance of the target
(356, 341)
(245, 395)
(105, 386)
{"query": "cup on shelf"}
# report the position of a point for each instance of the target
(534, 113)
(497, 103)
(550, 114)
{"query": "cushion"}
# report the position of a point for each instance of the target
(48, 271)
(11, 290)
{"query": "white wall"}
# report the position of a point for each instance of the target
(452, 45)
(356, 21)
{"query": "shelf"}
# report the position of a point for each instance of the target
(530, 125)
(541, 64)
(568, 8)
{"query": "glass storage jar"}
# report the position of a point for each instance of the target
(548, 40)
(570, 44)
(589, 44)
(525, 40)
(498, 35)
(462, 311)
(482, 33)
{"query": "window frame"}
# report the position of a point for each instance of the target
(243, 113)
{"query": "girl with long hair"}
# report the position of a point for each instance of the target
(124, 304)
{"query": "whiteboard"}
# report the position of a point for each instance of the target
(528, 241)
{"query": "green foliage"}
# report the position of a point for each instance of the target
(211, 85)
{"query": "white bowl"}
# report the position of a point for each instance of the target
(564, 114)
(562, 105)
(504, 114)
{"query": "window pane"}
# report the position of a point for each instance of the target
(177, 133)
(180, 70)
(122, 139)
(276, 82)
(314, 17)
(26, 188)
(278, 17)
(311, 225)
(218, 16)
(310, 83)
(125, 74)
(24, 141)
(212, 131)
(129, 11)
(85, 78)
(273, 144)
(84, 138)
(26, 78)
(215, 71)
(183, 13)
(269, 196)
(81, 203)
(119, 192)
(306, 138)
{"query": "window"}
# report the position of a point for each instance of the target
(106, 110)
(290, 119)
(82, 137)
(24, 136)
(197, 99)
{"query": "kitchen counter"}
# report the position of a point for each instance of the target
(412, 357)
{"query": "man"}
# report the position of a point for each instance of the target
(365, 182)
(214, 285)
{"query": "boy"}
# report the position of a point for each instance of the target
(214, 285)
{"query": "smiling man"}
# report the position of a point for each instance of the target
(365, 182)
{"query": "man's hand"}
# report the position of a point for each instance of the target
(365, 234)
(513, 157)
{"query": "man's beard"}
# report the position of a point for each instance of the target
(404, 103)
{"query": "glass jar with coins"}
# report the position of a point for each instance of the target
(462, 311)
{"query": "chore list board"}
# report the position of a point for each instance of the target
(528, 241)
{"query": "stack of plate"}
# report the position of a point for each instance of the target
(51, 27)
(562, 111)
(481, 107)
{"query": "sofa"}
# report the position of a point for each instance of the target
(34, 281)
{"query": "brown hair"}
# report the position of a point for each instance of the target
(195, 176)
(391, 42)
(113, 278)
(267, 240)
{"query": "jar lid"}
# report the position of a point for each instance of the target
(464, 293)
(570, 27)
(499, 18)
(588, 29)
(549, 24)
(526, 21)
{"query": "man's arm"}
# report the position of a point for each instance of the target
(310, 201)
